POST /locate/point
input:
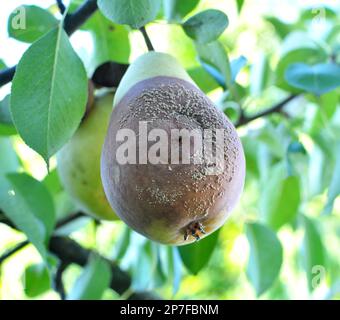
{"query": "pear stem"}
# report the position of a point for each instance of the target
(147, 39)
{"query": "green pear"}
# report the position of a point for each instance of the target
(78, 162)
(168, 201)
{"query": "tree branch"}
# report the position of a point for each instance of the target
(58, 280)
(147, 39)
(61, 6)
(72, 22)
(14, 250)
(6, 75)
(69, 251)
(244, 119)
(76, 19)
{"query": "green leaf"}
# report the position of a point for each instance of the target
(51, 70)
(236, 66)
(265, 257)
(312, 250)
(206, 26)
(29, 23)
(6, 124)
(196, 256)
(239, 4)
(176, 10)
(326, 108)
(213, 56)
(307, 55)
(36, 280)
(9, 161)
(282, 29)
(280, 198)
(111, 41)
(145, 267)
(260, 75)
(318, 79)
(135, 13)
(93, 281)
(203, 79)
(5, 114)
(334, 188)
(28, 204)
(2, 65)
(122, 244)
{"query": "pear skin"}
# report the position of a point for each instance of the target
(78, 162)
(170, 203)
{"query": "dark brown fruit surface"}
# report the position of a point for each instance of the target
(171, 203)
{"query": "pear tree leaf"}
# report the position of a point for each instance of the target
(135, 13)
(206, 26)
(215, 61)
(36, 280)
(9, 161)
(195, 256)
(265, 257)
(29, 205)
(318, 79)
(310, 55)
(6, 124)
(313, 252)
(104, 33)
(51, 70)
(29, 23)
(280, 198)
(93, 281)
(176, 10)
(334, 188)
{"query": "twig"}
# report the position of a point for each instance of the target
(61, 6)
(14, 250)
(70, 218)
(72, 23)
(243, 120)
(69, 251)
(6, 75)
(147, 39)
(58, 280)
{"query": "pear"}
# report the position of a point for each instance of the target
(168, 201)
(78, 162)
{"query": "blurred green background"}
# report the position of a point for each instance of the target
(283, 239)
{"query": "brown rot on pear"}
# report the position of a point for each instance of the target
(168, 201)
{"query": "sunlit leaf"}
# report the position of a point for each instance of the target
(306, 55)
(334, 188)
(195, 256)
(318, 79)
(111, 41)
(176, 10)
(47, 119)
(28, 204)
(6, 124)
(135, 13)
(215, 60)
(312, 250)
(36, 280)
(280, 198)
(206, 26)
(93, 281)
(29, 23)
(265, 257)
